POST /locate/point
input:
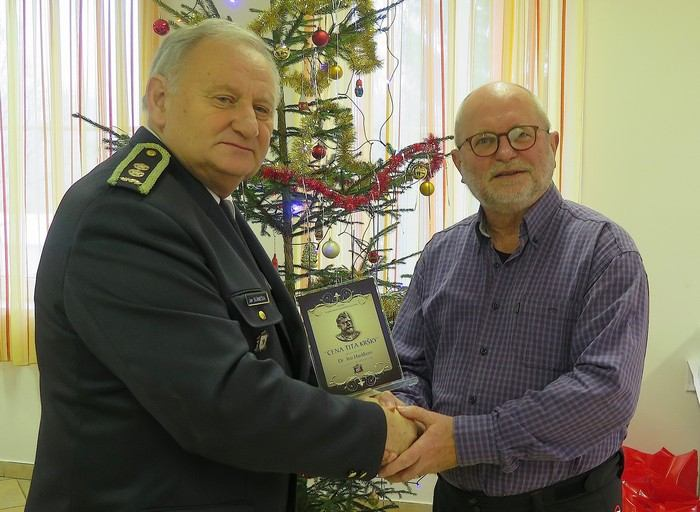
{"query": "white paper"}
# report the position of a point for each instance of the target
(694, 365)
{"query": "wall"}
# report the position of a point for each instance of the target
(641, 158)
(19, 412)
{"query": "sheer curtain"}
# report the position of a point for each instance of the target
(435, 52)
(56, 58)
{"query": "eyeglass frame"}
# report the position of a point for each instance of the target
(498, 139)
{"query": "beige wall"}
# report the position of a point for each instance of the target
(19, 412)
(641, 167)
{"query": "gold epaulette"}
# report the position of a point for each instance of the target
(141, 168)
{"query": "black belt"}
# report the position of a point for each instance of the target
(589, 481)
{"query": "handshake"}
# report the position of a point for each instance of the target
(418, 441)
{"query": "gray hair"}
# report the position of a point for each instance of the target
(169, 57)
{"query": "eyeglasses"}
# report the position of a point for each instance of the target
(520, 138)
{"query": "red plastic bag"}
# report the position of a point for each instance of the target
(660, 482)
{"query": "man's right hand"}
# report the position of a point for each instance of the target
(400, 431)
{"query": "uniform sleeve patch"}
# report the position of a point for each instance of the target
(141, 168)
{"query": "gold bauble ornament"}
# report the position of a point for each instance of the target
(281, 52)
(335, 72)
(330, 249)
(427, 188)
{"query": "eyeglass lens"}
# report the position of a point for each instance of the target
(520, 138)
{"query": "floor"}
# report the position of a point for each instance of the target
(13, 493)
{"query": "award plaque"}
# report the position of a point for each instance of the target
(349, 339)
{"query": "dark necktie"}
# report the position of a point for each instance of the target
(230, 212)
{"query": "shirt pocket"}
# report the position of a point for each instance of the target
(544, 327)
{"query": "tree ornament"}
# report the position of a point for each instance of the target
(318, 230)
(324, 66)
(281, 52)
(419, 171)
(303, 106)
(318, 151)
(330, 249)
(335, 72)
(359, 91)
(320, 37)
(373, 257)
(275, 263)
(427, 188)
(161, 27)
(308, 255)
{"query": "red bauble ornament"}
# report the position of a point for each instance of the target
(373, 257)
(303, 106)
(318, 151)
(161, 27)
(275, 264)
(320, 37)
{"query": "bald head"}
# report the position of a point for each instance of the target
(471, 112)
(509, 179)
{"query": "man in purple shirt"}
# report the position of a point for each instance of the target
(526, 325)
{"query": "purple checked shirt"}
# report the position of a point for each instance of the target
(540, 358)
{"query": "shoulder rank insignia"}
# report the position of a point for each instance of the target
(141, 168)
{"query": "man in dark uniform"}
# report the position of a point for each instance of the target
(172, 360)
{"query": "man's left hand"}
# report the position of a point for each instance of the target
(433, 451)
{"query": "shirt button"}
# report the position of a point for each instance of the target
(494, 305)
(483, 351)
(472, 399)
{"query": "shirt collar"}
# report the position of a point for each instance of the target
(540, 214)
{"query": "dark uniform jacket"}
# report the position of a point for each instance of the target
(172, 360)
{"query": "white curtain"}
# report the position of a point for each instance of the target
(57, 57)
(435, 52)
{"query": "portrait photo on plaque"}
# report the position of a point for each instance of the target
(349, 338)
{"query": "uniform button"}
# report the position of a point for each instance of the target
(483, 351)
(472, 399)
(495, 305)
(496, 265)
